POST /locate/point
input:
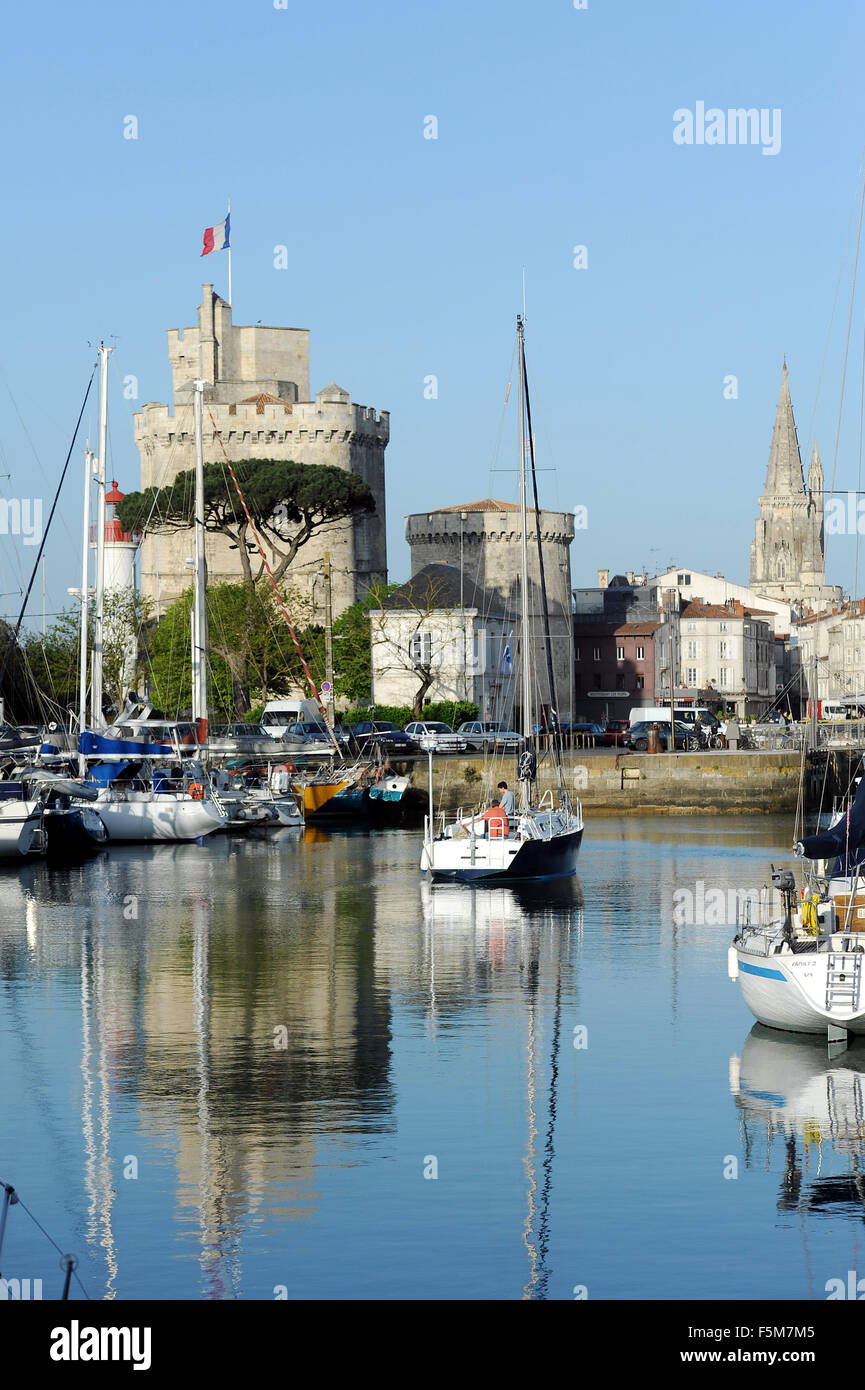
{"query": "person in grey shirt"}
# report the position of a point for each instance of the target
(506, 799)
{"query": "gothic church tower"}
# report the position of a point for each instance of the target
(787, 553)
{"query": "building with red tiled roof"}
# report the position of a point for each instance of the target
(487, 504)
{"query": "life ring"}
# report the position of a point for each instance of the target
(196, 791)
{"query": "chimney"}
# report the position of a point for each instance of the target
(603, 579)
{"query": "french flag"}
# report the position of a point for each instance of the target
(216, 238)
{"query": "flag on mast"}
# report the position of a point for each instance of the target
(217, 238)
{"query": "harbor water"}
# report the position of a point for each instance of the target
(285, 1067)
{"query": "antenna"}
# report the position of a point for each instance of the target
(524, 294)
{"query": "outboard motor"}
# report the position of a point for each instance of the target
(783, 880)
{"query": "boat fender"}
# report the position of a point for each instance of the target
(733, 963)
(809, 914)
(196, 791)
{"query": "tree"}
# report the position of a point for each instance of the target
(288, 502)
(352, 646)
(418, 630)
(249, 646)
(53, 658)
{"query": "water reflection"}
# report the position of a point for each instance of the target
(788, 1088)
(533, 927)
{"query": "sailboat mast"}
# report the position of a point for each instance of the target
(85, 605)
(553, 716)
(199, 620)
(99, 616)
(524, 549)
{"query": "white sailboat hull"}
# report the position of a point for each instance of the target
(543, 844)
(790, 991)
(153, 816)
(20, 829)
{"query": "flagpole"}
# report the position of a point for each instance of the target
(229, 254)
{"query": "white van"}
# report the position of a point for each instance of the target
(278, 714)
(660, 714)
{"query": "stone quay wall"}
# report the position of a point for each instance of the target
(679, 784)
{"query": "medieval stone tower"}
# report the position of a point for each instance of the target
(787, 553)
(257, 393)
(482, 539)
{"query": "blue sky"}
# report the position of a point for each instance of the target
(405, 255)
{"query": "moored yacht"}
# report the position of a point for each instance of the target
(539, 836)
(799, 956)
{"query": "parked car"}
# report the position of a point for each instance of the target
(615, 731)
(236, 731)
(488, 733)
(371, 732)
(312, 732)
(581, 731)
(637, 737)
(443, 738)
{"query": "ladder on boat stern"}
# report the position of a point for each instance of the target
(843, 980)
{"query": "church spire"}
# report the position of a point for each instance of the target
(784, 473)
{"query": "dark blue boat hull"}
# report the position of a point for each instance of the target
(536, 859)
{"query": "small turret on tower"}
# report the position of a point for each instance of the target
(815, 474)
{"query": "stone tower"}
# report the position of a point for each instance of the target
(482, 539)
(257, 393)
(787, 553)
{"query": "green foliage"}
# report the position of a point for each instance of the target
(288, 503)
(249, 646)
(352, 646)
(53, 660)
(453, 712)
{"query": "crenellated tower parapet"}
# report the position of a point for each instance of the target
(256, 404)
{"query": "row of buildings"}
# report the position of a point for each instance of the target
(451, 632)
(637, 640)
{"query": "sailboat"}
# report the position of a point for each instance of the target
(134, 802)
(800, 964)
(544, 836)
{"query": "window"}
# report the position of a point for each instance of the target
(420, 648)
(722, 627)
(691, 675)
(620, 682)
(596, 653)
(723, 677)
(692, 649)
(641, 653)
(683, 579)
(620, 653)
(577, 654)
(640, 683)
(722, 649)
